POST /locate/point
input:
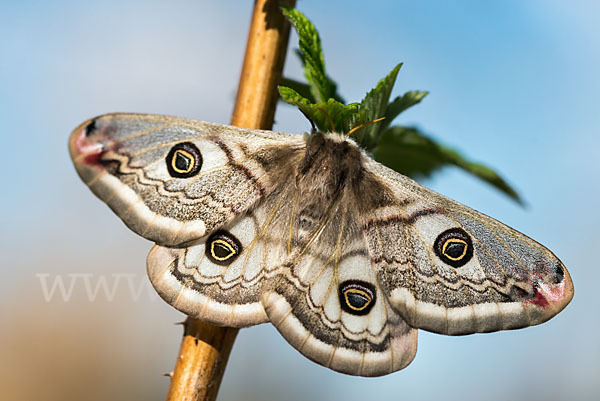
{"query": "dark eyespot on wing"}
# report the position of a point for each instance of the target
(357, 297)
(184, 160)
(454, 247)
(222, 248)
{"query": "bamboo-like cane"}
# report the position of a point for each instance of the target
(205, 348)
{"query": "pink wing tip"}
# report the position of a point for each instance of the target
(553, 294)
(87, 143)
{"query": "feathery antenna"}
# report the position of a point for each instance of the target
(364, 125)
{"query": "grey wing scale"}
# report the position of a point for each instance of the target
(175, 180)
(452, 270)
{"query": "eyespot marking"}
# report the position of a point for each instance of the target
(357, 297)
(454, 247)
(223, 248)
(184, 160)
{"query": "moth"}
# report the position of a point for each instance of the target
(346, 257)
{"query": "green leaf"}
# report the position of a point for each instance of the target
(300, 87)
(412, 153)
(374, 105)
(342, 116)
(399, 104)
(311, 53)
(376, 100)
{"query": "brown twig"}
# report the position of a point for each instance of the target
(205, 348)
(263, 64)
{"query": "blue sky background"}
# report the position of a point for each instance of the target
(513, 84)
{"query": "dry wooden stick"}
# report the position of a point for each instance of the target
(263, 65)
(205, 348)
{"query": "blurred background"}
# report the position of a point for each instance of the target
(513, 84)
